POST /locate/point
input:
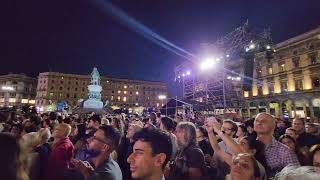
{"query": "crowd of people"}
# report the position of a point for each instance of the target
(51, 146)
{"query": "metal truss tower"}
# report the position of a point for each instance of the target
(222, 86)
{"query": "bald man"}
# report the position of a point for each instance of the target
(277, 154)
(62, 152)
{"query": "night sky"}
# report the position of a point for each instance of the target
(73, 36)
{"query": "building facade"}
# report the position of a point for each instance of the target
(288, 84)
(17, 90)
(56, 87)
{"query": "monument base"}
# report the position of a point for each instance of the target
(93, 104)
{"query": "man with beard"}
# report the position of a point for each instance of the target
(104, 141)
(189, 162)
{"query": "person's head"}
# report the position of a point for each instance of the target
(298, 125)
(94, 122)
(16, 130)
(292, 172)
(242, 131)
(53, 116)
(201, 132)
(166, 124)
(132, 129)
(186, 134)
(312, 128)
(315, 155)
(118, 124)
(12, 167)
(244, 167)
(229, 127)
(249, 123)
(46, 123)
(288, 141)
(105, 140)
(61, 131)
(264, 124)
(44, 135)
(35, 120)
(250, 145)
(153, 118)
(151, 152)
(291, 132)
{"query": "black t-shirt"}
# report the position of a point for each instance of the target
(205, 147)
(191, 157)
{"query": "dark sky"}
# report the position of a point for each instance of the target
(73, 36)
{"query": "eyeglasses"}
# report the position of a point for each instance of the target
(97, 139)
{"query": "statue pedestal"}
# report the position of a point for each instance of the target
(93, 104)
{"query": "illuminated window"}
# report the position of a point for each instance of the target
(124, 99)
(2, 100)
(119, 98)
(51, 94)
(137, 93)
(158, 104)
(111, 98)
(107, 81)
(119, 92)
(12, 100)
(62, 77)
(125, 92)
(32, 101)
(125, 86)
(270, 71)
(24, 101)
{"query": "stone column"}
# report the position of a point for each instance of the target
(294, 109)
(311, 108)
(280, 109)
(305, 109)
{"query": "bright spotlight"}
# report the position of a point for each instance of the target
(217, 59)
(188, 73)
(228, 55)
(178, 77)
(252, 46)
(229, 77)
(268, 47)
(207, 64)
(183, 75)
(238, 78)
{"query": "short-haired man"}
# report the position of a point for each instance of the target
(277, 154)
(151, 152)
(304, 139)
(61, 154)
(189, 162)
(105, 140)
(125, 149)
